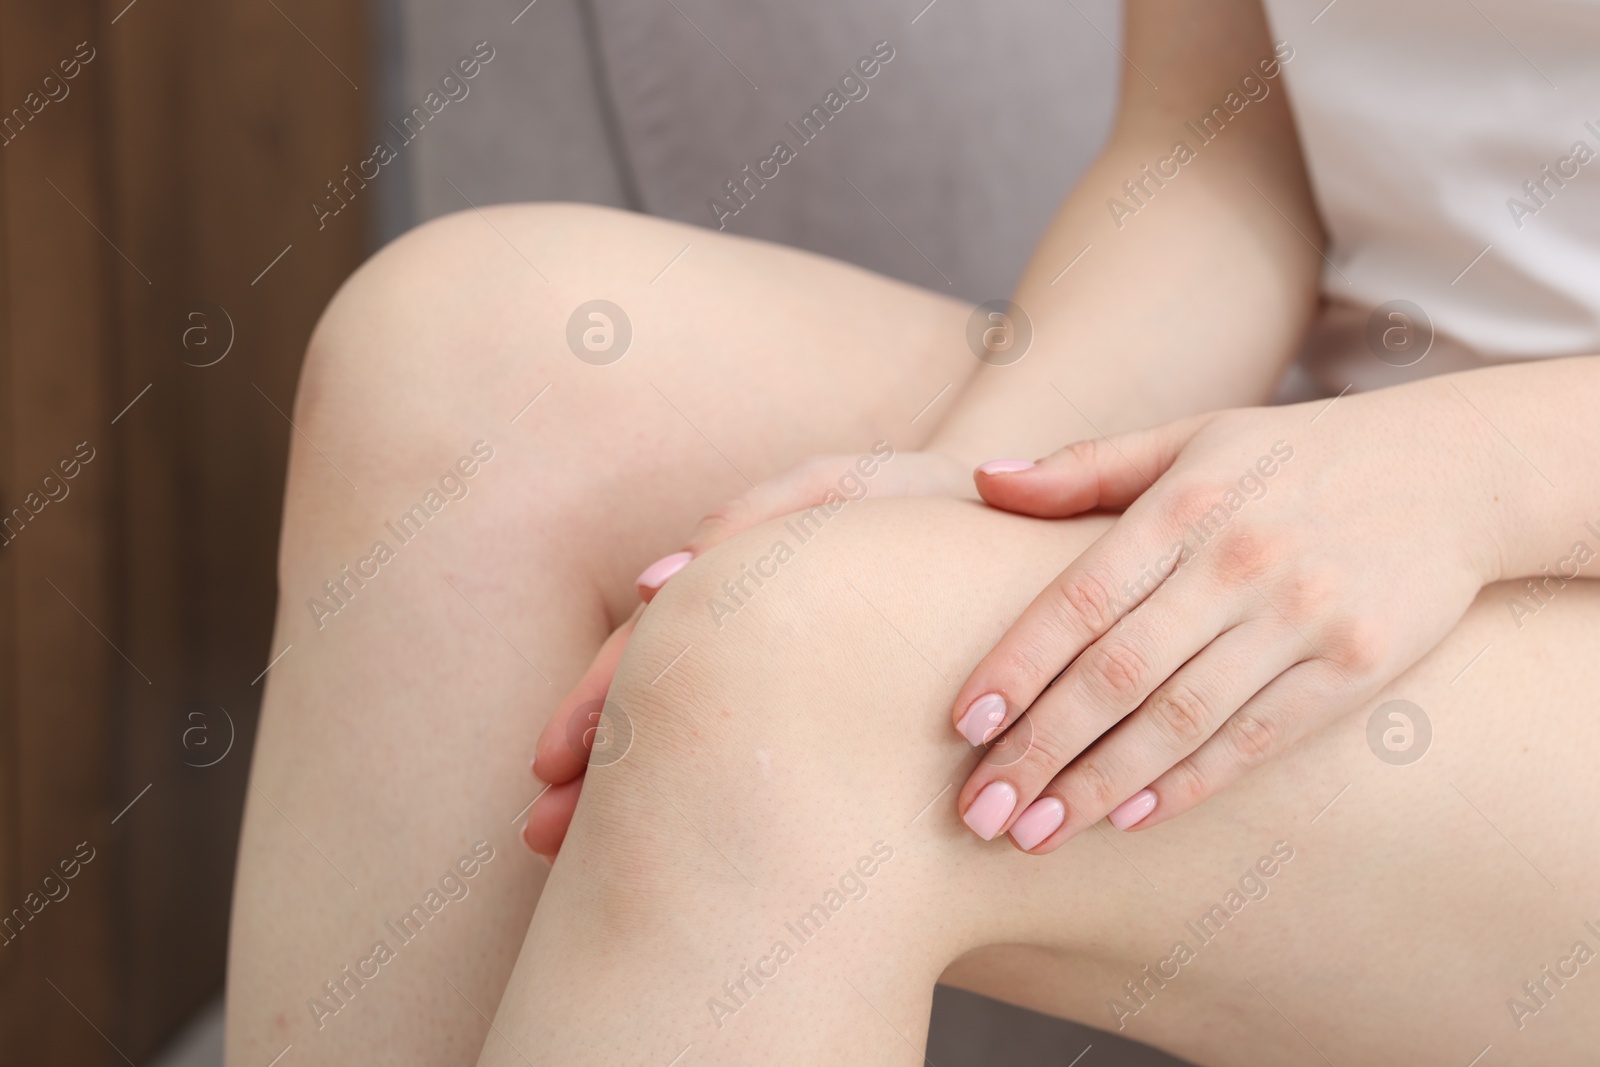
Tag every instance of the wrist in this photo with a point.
(1519, 524)
(1022, 420)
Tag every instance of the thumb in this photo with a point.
(1103, 472)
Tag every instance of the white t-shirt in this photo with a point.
(1454, 150)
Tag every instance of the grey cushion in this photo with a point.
(965, 143)
(533, 125)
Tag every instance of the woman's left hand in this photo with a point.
(568, 736)
(1273, 567)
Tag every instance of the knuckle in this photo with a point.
(1306, 594)
(1184, 504)
(1117, 670)
(1356, 646)
(1185, 784)
(1044, 756)
(1252, 738)
(722, 519)
(1089, 600)
(1182, 714)
(1085, 451)
(1201, 508)
(1027, 659)
(1095, 785)
(717, 526)
(1245, 554)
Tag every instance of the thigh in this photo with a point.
(1337, 903)
(1432, 887)
(471, 490)
(716, 360)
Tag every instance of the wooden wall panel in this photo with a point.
(192, 144)
(61, 692)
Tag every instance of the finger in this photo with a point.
(550, 816)
(790, 491)
(1103, 472)
(1271, 721)
(1101, 688)
(653, 577)
(1111, 578)
(563, 748)
(806, 483)
(1172, 722)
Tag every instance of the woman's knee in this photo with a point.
(435, 358)
(432, 325)
(818, 639)
(785, 699)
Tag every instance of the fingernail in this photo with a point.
(1005, 466)
(983, 719)
(658, 572)
(1043, 818)
(1132, 810)
(991, 809)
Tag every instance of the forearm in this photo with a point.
(1190, 313)
(1194, 301)
(1535, 429)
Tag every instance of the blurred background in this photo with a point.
(184, 186)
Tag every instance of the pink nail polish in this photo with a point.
(1131, 811)
(653, 576)
(983, 719)
(1005, 466)
(1043, 818)
(991, 809)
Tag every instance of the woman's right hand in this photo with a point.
(563, 750)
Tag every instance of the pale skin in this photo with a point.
(772, 752)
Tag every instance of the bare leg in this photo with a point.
(774, 872)
(396, 730)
